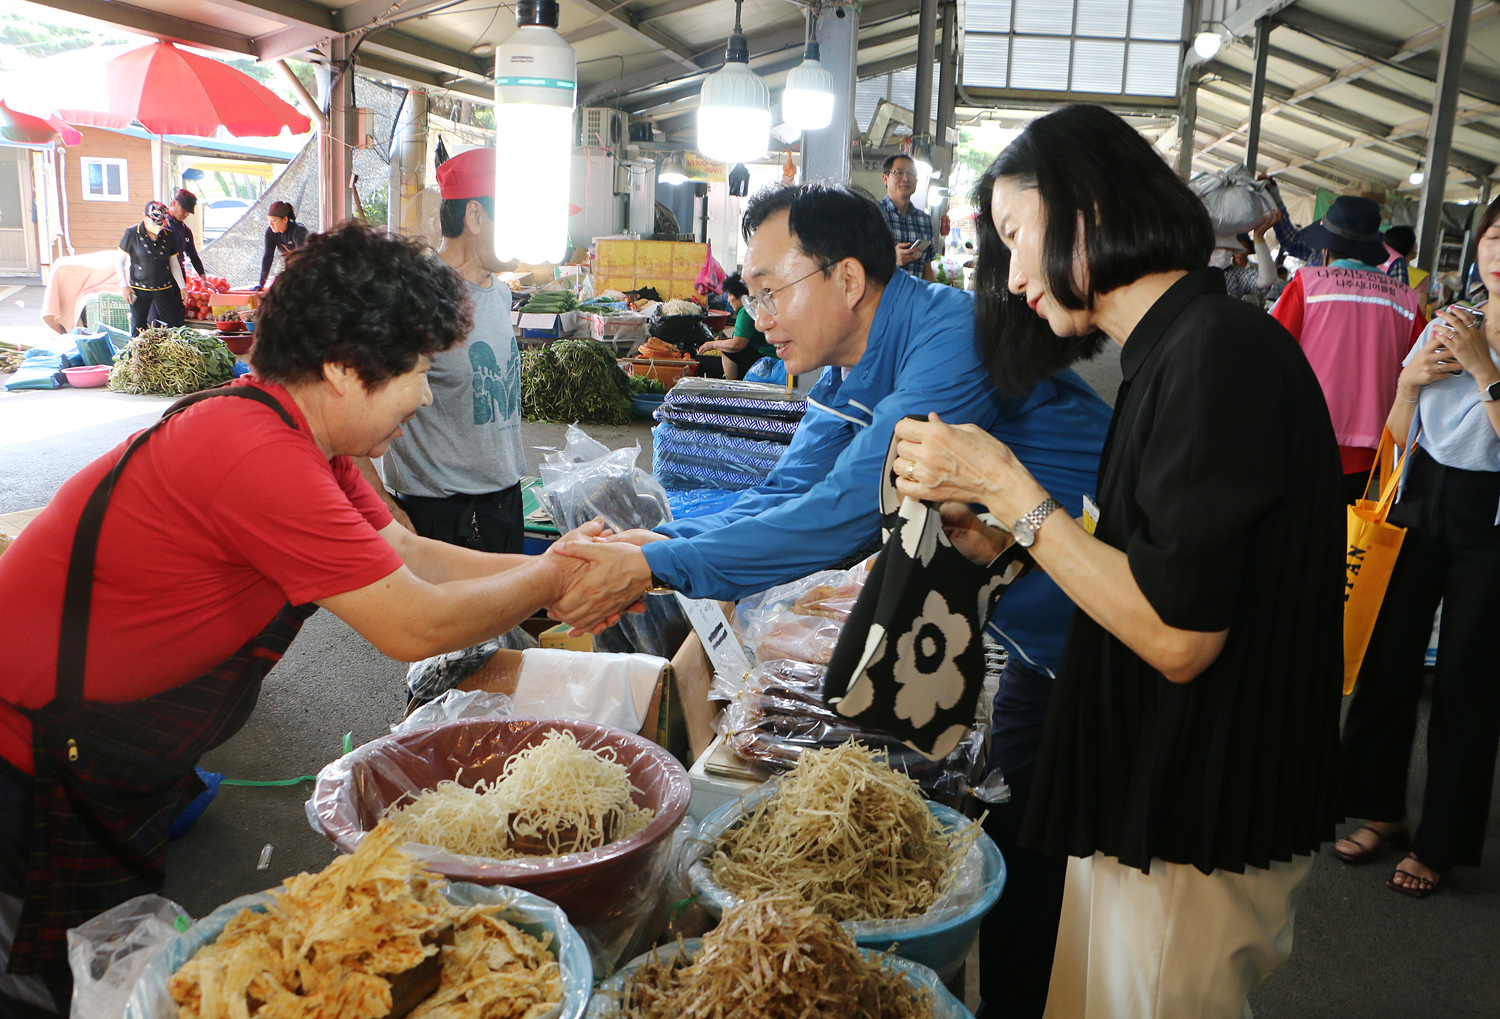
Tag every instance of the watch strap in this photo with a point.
(1490, 393)
(1033, 520)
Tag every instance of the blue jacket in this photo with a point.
(821, 502)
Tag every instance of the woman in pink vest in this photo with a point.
(1355, 325)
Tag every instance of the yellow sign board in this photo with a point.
(700, 167)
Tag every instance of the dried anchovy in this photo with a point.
(771, 960)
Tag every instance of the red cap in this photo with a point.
(468, 175)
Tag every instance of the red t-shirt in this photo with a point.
(222, 517)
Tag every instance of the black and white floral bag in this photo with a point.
(910, 660)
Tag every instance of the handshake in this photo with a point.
(601, 575)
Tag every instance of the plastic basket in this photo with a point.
(611, 991)
(107, 309)
(531, 913)
(939, 939)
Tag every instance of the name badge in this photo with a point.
(1090, 514)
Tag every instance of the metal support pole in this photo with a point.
(825, 152)
(335, 183)
(1187, 123)
(926, 45)
(1187, 107)
(947, 75)
(1440, 139)
(1257, 91)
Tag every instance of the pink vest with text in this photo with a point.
(1357, 327)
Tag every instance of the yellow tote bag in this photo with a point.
(1372, 549)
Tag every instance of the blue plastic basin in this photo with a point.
(646, 404)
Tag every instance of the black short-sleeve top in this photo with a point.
(1220, 480)
(150, 257)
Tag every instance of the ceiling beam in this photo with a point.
(1369, 131)
(588, 30)
(762, 44)
(653, 11)
(1287, 151)
(651, 36)
(430, 55)
(1415, 128)
(397, 70)
(163, 26)
(364, 14)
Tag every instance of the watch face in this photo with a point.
(1024, 532)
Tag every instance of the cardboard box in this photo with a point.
(719, 777)
(544, 327)
(557, 637)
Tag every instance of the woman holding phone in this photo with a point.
(1187, 763)
(1446, 415)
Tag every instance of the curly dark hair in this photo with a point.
(362, 297)
(734, 284)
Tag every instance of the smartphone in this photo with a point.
(922, 245)
(1478, 322)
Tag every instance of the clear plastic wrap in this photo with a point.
(607, 892)
(432, 676)
(605, 1001)
(109, 953)
(150, 998)
(455, 705)
(585, 480)
(777, 712)
(700, 502)
(938, 938)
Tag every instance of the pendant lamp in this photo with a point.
(536, 80)
(674, 170)
(807, 102)
(734, 108)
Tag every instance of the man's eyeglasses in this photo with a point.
(765, 301)
(907, 174)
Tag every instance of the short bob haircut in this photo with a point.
(361, 297)
(1491, 214)
(1092, 170)
(734, 285)
(830, 223)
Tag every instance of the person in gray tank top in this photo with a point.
(454, 474)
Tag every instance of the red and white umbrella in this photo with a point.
(169, 90)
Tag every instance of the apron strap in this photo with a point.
(72, 645)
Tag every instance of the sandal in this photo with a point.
(1422, 886)
(1366, 853)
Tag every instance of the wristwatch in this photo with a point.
(1490, 393)
(1024, 530)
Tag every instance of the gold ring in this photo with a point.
(911, 470)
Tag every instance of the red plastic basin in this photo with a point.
(593, 887)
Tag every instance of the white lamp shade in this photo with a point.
(807, 102)
(734, 115)
(1417, 177)
(1206, 44)
(673, 171)
(534, 226)
(535, 87)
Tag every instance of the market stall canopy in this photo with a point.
(24, 129)
(168, 90)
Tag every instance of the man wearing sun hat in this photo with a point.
(456, 471)
(150, 271)
(1355, 324)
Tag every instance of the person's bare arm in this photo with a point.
(408, 618)
(367, 468)
(177, 276)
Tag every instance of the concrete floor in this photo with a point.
(1360, 949)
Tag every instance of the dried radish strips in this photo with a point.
(772, 960)
(331, 940)
(846, 836)
(552, 798)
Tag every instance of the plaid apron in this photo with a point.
(110, 778)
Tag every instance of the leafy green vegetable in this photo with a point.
(169, 362)
(642, 385)
(574, 380)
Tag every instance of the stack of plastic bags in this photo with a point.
(723, 435)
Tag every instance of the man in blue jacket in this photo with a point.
(825, 292)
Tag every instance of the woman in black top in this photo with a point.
(151, 271)
(1187, 763)
(283, 234)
